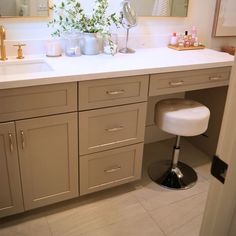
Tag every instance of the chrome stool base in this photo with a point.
(180, 177)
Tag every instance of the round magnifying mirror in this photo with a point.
(129, 20)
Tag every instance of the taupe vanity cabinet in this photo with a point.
(39, 155)
(60, 141)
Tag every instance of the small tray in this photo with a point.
(185, 48)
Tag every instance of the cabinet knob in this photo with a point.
(11, 142)
(22, 139)
(176, 84)
(116, 92)
(115, 129)
(215, 78)
(20, 51)
(112, 170)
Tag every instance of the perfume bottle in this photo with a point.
(194, 35)
(174, 39)
(181, 40)
(186, 39)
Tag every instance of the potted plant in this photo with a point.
(69, 17)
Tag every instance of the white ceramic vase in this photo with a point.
(89, 44)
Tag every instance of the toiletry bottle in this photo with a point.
(186, 39)
(174, 39)
(196, 43)
(180, 42)
(194, 35)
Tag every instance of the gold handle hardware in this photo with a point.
(115, 129)
(175, 84)
(116, 92)
(20, 51)
(22, 139)
(215, 78)
(11, 142)
(113, 169)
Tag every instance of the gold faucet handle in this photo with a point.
(20, 51)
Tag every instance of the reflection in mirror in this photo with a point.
(174, 8)
(23, 8)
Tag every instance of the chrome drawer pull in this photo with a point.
(175, 84)
(11, 142)
(113, 170)
(116, 92)
(22, 139)
(215, 78)
(115, 129)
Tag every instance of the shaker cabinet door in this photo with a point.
(10, 187)
(48, 159)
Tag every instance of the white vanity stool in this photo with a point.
(180, 117)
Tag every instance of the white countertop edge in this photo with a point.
(54, 77)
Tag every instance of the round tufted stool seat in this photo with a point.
(180, 117)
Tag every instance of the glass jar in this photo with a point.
(110, 45)
(72, 44)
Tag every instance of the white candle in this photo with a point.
(53, 48)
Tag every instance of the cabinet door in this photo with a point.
(48, 153)
(10, 187)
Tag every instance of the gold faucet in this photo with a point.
(3, 47)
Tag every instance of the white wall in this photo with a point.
(150, 32)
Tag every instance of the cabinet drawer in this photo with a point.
(110, 168)
(111, 127)
(188, 80)
(37, 101)
(110, 92)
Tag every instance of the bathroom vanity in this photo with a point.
(79, 127)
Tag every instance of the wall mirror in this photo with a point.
(40, 8)
(24, 8)
(170, 8)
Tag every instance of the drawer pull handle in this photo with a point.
(11, 142)
(175, 84)
(116, 92)
(215, 78)
(22, 139)
(113, 170)
(115, 129)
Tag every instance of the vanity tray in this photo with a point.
(185, 48)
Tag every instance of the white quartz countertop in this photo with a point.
(144, 61)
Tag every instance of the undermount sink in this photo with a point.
(24, 67)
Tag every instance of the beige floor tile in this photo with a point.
(192, 228)
(95, 214)
(204, 171)
(153, 196)
(25, 227)
(141, 225)
(177, 215)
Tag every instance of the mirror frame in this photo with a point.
(219, 30)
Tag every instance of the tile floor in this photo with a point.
(136, 209)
